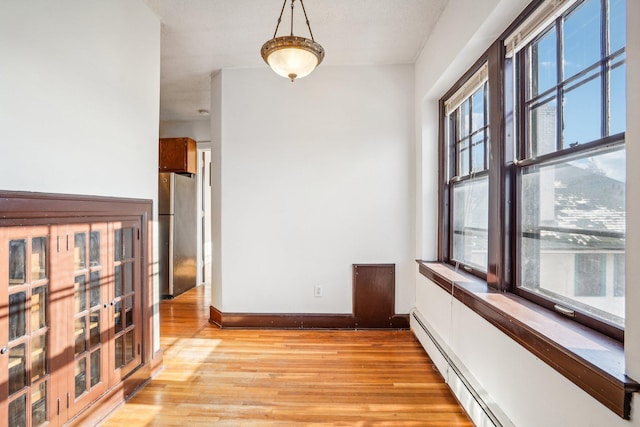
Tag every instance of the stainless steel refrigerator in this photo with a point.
(177, 216)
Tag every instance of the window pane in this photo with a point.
(128, 311)
(17, 262)
(129, 348)
(470, 222)
(117, 317)
(617, 25)
(80, 294)
(17, 368)
(95, 367)
(569, 210)
(117, 280)
(463, 157)
(80, 377)
(127, 241)
(477, 108)
(128, 277)
(38, 258)
(590, 275)
(119, 353)
(463, 119)
(117, 245)
(478, 152)
(543, 119)
(94, 250)
(38, 308)
(544, 63)
(582, 113)
(17, 315)
(94, 289)
(80, 252)
(582, 38)
(80, 332)
(94, 329)
(38, 357)
(39, 405)
(18, 412)
(617, 100)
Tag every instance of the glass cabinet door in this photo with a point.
(25, 371)
(126, 300)
(88, 315)
(70, 317)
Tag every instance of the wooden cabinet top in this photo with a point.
(177, 155)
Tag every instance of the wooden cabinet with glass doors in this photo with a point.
(70, 317)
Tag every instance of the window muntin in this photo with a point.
(468, 182)
(589, 83)
(570, 204)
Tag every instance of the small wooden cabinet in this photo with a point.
(178, 155)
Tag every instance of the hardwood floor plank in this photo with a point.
(286, 377)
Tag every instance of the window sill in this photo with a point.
(592, 361)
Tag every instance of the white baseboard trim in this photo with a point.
(482, 410)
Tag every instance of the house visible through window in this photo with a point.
(590, 275)
(554, 177)
(571, 158)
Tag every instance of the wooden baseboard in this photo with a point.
(296, 321)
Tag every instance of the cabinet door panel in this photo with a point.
(87, 314)
(127, 308)
(25, 287)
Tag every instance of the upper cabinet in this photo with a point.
(178, 155)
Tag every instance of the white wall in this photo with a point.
(198, 130)
(79, 98)
(316, 175)
(517, 381)
(632, 330)
(216, 190)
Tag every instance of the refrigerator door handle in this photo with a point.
(171, 259)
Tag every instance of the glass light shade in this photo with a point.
(292, 57)
(292, 62)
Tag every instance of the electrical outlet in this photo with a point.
(317, 291)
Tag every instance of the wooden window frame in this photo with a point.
(602, 376)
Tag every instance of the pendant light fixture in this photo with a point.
(291, 56)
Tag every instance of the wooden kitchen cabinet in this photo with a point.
(178, 155)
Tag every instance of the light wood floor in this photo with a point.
(286, 377)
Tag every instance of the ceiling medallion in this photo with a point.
(291, 56)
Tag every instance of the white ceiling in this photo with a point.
(200, 37)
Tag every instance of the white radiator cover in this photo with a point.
(473, 398)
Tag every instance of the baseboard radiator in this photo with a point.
(473, 398)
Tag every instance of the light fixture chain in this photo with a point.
(292, 2)
(284, 3)
(307, 19)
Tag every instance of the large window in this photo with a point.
(571, 173)
(468, 139)
(541, 210)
